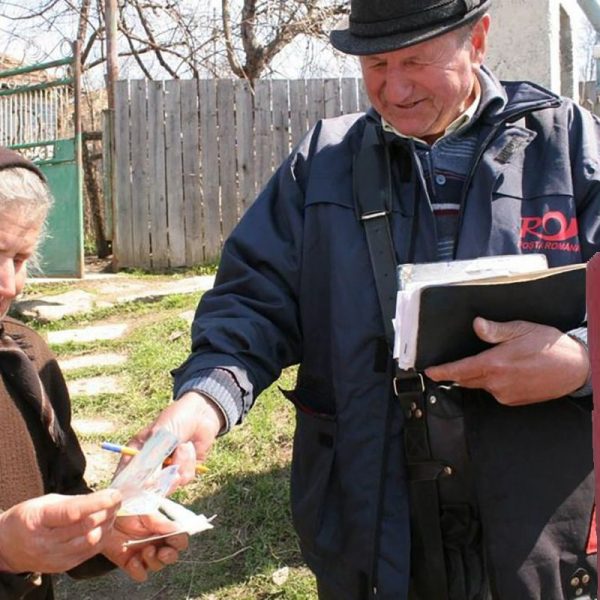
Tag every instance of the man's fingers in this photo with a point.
(495, 332)
(458, 371)
(136, 442)
(185, 458)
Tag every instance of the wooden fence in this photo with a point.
(191, 156)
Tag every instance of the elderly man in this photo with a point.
(50, 522)
(449, 163)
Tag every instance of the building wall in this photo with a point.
(545, 41)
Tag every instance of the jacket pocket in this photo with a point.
(315, 498)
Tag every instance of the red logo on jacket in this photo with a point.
(550, 232)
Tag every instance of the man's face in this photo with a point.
(421, 89)
(18, 237)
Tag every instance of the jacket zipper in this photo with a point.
(482, 149)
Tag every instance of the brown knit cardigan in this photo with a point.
(39, 452)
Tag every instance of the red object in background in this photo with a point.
(593, 311)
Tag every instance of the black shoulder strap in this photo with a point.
(373, 200)
(373, 205)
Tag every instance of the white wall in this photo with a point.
(520, 37)
(545, 41)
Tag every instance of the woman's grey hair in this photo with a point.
(24, 190)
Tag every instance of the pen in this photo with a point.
(127, 451)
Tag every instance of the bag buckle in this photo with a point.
(411, 382)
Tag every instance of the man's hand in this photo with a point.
(530, 363)
(138, 560)
(193, 418)
(54, 533)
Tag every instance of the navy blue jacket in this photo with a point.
(295, 285)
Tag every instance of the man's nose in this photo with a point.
(8, 284)
(398, 88)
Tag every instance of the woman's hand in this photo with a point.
(54, 533)
(140, 559)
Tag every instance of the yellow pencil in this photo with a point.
(127, 451)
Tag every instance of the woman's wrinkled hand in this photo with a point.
(54, 533)
(141, 559)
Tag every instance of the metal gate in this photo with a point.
(39, 117)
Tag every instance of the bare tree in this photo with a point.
(164, 39)
(259, 30)
(170, 39)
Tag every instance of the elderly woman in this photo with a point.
(50, 522)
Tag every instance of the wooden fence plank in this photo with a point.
(315, 101)
(298, 110)
(107, 164)
(264, 131)
(281, 121)
(123, 237)
(332, 98)
(349, 96)
(140, 233)
(194, 253)
(174, 172)
(210, 169)
(363, 99)
(227, 142)
(158, 188)
(244, 125)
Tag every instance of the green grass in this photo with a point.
(247, 486)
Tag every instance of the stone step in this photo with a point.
(107, 359)
(88, 334)
(113, 292)
(93, 426)
(94, 386)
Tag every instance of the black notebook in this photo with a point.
(434, 321)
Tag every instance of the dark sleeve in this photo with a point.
(94, 567)
(248, 325)
(585, 161)
(67, 470)
(15, 587)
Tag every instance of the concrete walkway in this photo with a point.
(104, 293)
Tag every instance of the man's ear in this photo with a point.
(479, 40)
